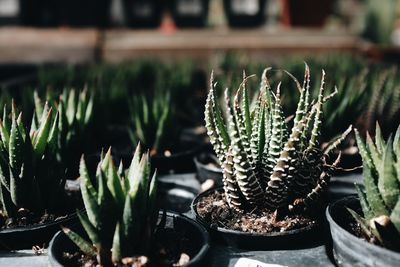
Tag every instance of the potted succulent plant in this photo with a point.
(33, 199)
(154, 124)
(366, 230)
(75, 116)
(274, 181)
(121, 222)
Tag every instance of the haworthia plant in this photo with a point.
(380, 193)
(121, 209)
(264, 164)
(75, 111)
(30, 175)
(153, 121)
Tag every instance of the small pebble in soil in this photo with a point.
(183, 260)
(135, 261)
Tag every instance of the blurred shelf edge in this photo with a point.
(22, 45)
(122, 44)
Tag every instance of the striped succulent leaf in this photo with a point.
(264, 164)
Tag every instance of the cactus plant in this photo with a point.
(380, 193)
(265, 165)
(121, 209)
(30, 175)
(152, 122)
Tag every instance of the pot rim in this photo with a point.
(349, 236)
(40, 226)
(236, 232)
(204, 166)
(194, 260)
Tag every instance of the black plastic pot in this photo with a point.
(43, 13)
(177, 191)
(143, 13)
(84, 13)
(293, 239)
(192, 231)
(9, 12)
(207, 168)
(26, 237)
(189, 13)
(179, 162)
(349, 250)
(245, 13)
(302, 13)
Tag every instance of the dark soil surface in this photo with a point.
(214, 210)
(26, 218)
(171, 248)
(355, 228)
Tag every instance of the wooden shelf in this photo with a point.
(32, 45)
(123, 44)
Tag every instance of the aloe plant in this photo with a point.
(75, 115)
(265, 165)
(380, 193)
(153, 122)
(30, 175)
(121, 209)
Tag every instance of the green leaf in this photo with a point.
(261, 133)
(89, 111)
(363, 224)
(5, 135)
(396, 143)
(54, 134)
(117, 246)
(375, 155)
(160, 129)
(380, 143)
(89, 228)
(82, 244)
(38, 103)
(395, 215)
(364, 152)
(219, 123)
(371, 189)
(387, 183)
(89, 195)
(40, 142)
(71, 107)
(134, 167)
(153, 189)
(6, 120)
(9, 209)
(246, 109)
(363, 201)
(16, 146)
(114, 183)
(130, 217)
(21, 126)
